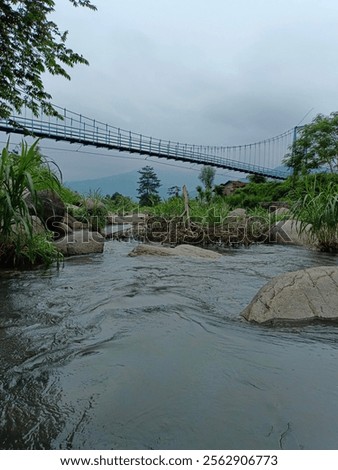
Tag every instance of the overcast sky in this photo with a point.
(215, 72)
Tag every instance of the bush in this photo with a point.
(317, 212)
(200, 212)
(253, 194)
(21, 175)
(28, 252)
(93, 210)
(69, 196)
(119, 204)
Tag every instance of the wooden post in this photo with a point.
(186, 206)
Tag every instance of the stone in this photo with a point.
(80, 242)
(238, 213)
(305, 295)
(77, 225)
(37, 226)
(195, 252)
(50, 207)
(60, 229)
(69, 220)
(180, 250)
(287, 232)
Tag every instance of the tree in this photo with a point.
(148, 185)
(173, 191)
(207, 176)
(256, 178)
(316, 147)
(31, 45)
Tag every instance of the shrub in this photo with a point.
(317, 212)
(93, 210)
(22, 174)
(119, 204)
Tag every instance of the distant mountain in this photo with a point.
(124, 183)
(127, 183)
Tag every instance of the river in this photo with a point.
(114, 352)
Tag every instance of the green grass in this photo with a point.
(317, 211)
(21, 174)
(200, 212)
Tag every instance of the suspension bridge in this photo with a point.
(260, 158)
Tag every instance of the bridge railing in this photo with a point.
(74, 127)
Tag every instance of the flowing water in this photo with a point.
(114, 352)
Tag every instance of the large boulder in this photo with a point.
(37, 226)
(80, 242)
(287, 232)
(305, 295)
(180, 250)
(50, 207)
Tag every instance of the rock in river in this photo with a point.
(180, 250)
(305, 295)
(80, 242)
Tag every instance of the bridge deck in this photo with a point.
(90, 132)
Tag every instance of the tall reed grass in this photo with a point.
(21, 174)
(317, 212)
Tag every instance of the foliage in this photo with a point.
(209, 214)
(316, 146)
(119, 204)
(31, 44)
(173, 207)
(39, 249)
(207, 176)
(201, 213)
(28, 251)
(218, 189)
(254, 194)
(69, 196)
(317, 212)
(93, 210)
(148, 185)
(313, 184)
(20, 175)
(173, 191)
(256, 178)
(15, 179)
(200, 193)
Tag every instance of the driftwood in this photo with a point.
(186, 213)
(175, 231)
(234, 230)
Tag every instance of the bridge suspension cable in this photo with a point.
(261, 158)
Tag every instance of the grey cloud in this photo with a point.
(202, 72)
